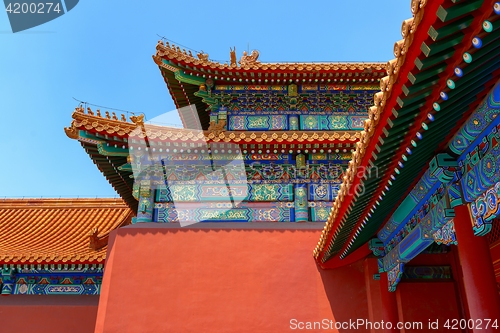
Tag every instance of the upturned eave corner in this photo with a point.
(72, 132)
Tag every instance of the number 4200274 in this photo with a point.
(32, 8)
(476, 324)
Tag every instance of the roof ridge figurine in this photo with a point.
(249, 59)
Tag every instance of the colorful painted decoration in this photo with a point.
(446, 235)
(314, 98)
(300, 161)
(377, 247)
(295, 122)
(268, 123)
(323, 192)
(472, 178)
(222, 212)
(426, 194)
(196, 182)
(331, 123)
(468, 59)
(485, 115)
(487, 26)
(477, 42)
(301, 207)
(413, 242)
(145, 208)
(394, 276)
(484, 209)
(480, 168)
(85, 281)
(320, 210)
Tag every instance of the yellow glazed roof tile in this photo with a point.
(173, 52)
(58, 230)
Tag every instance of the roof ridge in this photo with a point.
(202, 59)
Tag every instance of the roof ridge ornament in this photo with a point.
(138, 120)
(232, 57)
(217, 127)
(72, 132)
(202, 56)
(164, 50)
(248, 60)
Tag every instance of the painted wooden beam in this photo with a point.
(453, 12)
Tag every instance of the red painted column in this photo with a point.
(389, 304)
(478, 275)
(375, 307)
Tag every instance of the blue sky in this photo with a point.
(100, 52)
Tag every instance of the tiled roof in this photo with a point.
(173, 52)
(87, 120)
(58, 230)
(187, 76)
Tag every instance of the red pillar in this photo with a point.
(375, 307)
(389, 304)
(478, 275)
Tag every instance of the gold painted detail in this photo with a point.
(217, 127)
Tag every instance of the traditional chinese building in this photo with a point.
(263, 144)
(52, 254)
(400, 160)
(429, 214)
(292, 127)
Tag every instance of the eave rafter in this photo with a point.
(423, 70)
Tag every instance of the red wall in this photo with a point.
(427, 302)
(160, 278)
(48, 314)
